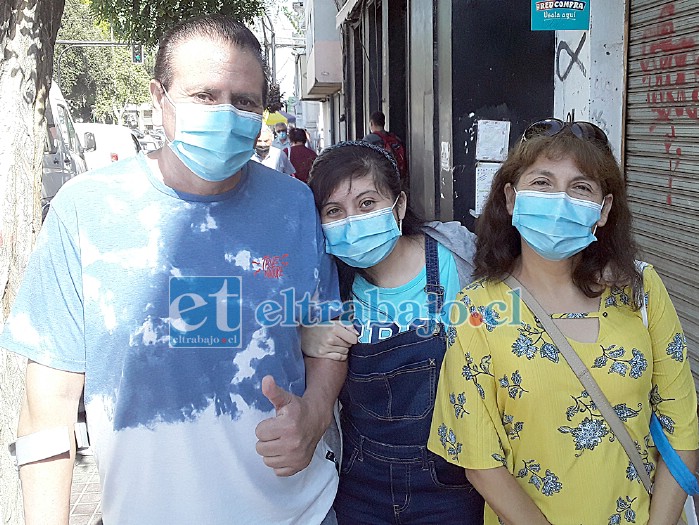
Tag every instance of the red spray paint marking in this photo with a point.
(667, 94)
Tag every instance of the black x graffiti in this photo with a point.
(574, 58)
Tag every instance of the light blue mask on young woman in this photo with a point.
(362, 241)
(214, 141)
(555, 225)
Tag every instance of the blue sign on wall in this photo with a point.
(559, 15)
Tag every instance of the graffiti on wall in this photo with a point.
(597, 116)
(665, 59)
(572, 58)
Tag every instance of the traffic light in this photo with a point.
(137, 53)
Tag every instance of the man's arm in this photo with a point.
(286, 165)
(288, 440)
(51, 400)
(324, 381)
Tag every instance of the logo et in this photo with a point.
(205, 312)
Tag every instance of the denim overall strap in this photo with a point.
(389, 392)
(434, 290)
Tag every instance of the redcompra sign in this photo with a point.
(560, 15)
(561, 4)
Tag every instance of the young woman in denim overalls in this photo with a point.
(400, 275)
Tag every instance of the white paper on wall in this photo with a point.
(445, 156)
(492, 140)
(485, 171)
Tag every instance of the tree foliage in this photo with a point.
(97, 81)
(128, 84)
(146, 20)
(294, 18)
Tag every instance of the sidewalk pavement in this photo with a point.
(85, 494)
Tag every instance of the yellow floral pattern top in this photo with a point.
(507, 397)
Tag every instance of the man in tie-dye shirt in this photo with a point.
(172, 287)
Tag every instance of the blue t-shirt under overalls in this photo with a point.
(388, 475)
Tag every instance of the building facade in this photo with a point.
(460, 81)
(319, 73)
(661, 137)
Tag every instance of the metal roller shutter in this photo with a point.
(662, 149)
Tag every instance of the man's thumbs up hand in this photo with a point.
(286, 442)
(276, 395)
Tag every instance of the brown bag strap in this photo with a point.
(586, 379)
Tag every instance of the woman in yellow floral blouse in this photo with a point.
(509, 409)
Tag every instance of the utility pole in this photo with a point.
(270, 46)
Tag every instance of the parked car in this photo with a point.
(158, 133)
(64, 156)
(148, 143)
(112, 143)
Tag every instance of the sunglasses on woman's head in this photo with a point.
(552, 126)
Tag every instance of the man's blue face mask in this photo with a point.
(213, 141)
(362, 241)
(555, 225)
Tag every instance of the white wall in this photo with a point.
(589, 74)
(310, 118)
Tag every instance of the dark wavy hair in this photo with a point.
(608, 261)
(217, 27)
(347, 161)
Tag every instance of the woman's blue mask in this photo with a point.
(362, 241)
(214, 141)
(555, 225)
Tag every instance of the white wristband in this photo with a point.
(40, 445)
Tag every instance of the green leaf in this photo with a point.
(146, 20)
(97, 79)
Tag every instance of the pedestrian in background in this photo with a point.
(400, 275)
(271, 156)
(300, 155)
(380, 136)
(281, 138)
(154, 270)
(509, 408)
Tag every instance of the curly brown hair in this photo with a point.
(608, 261)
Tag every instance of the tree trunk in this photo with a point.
(28, 30)
(117, 114)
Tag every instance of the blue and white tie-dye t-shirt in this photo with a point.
(175, 306)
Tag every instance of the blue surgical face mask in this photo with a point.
(362, 241)
(214, 141)
(555, 225)
(281, 135)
